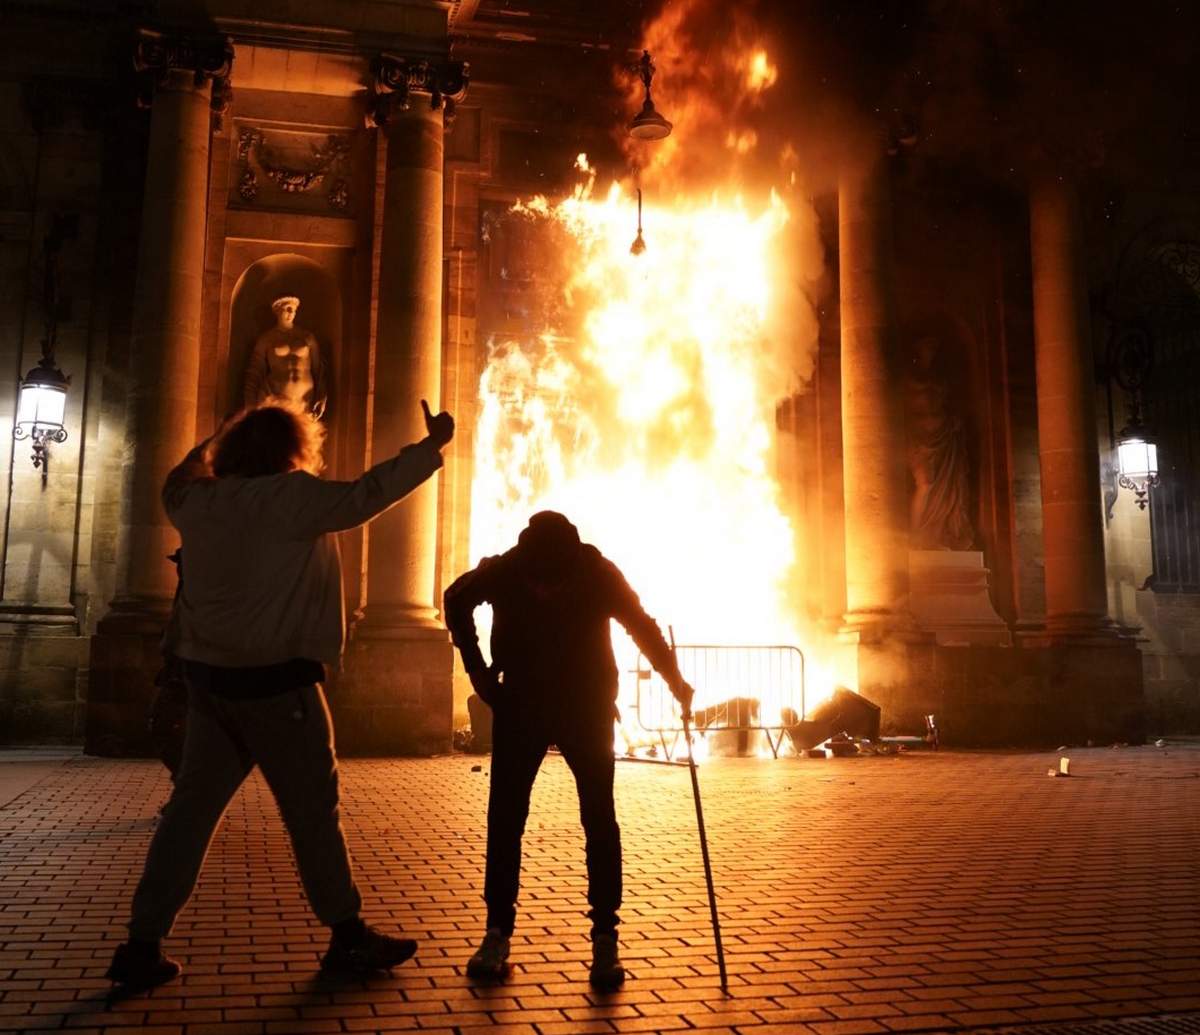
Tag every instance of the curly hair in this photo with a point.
(273, 438)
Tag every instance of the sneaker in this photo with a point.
(490, 958)
(607, 972)
(140, 969)
(376, 951)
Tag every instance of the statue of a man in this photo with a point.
(286, 363)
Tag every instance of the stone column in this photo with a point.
(177, 76)
(876, 543)
(165, 346)
(408, 359)
(1072, 520)
(397, 693)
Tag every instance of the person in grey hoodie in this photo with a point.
(258, 619)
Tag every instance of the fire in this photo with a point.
(643, 406)
(648, 418)
(760, 73)
(647, 415)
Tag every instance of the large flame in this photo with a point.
(650, 420)
(647, 417)
(642, 402)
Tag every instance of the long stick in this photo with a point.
(712, 895)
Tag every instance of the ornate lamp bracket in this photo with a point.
(1130, 360)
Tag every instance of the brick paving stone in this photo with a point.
(917, 893)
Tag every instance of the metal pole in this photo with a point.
(712, 895)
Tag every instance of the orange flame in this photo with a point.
(649, 422)
(644, 409)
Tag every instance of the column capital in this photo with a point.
(156, 55)
(394, 79)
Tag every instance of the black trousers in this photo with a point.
(518, 747)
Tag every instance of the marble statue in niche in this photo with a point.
(286, 363)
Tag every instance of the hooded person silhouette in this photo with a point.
(552, 681)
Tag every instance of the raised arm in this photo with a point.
(191, 468)
(324, 506)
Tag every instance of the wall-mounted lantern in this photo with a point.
(40, 407)
(42, 397)
(1137, 459)
(1130, 359)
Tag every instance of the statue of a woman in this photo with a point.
(937, 456)
(286, 363)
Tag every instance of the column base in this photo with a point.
(1076, 631)
(1003, 697)
(140, 616)
(875, 627)
(125, 655)
(122, 665)
(397, 622)
(395, 695)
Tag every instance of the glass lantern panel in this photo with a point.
(1137, 459)
(41, 405)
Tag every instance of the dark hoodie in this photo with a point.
(552, 598)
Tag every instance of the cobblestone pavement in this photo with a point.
(928, 892)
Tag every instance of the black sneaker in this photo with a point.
(607, 973)
(140, 969)
(376, 951)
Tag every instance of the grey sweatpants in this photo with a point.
(290, 738)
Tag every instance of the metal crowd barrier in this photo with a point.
(740, 691)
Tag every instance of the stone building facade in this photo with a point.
(167, 171)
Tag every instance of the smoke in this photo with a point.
(705, 85)
(763, 103)
(993, 86)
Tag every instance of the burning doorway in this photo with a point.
(637, 394)
(643, 338)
